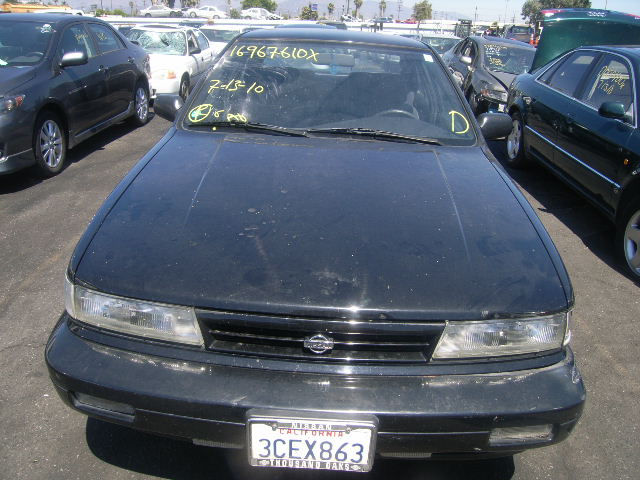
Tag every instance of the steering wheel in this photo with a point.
(396, 111)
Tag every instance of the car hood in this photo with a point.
(502, 78)
(278, 224)
(566, 29)
(159, 61)
(12, 77)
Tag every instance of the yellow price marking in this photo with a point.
(453, 114)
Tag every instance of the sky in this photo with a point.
(492, 9)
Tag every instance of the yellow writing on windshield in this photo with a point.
(455, 114)
(234, 85)
(204, 111)
(201, 112)
(263, 51)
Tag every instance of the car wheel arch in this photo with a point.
(630, 191)
(59, 111)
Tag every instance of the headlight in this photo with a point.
(163, 74)
(146, 319)
(496, 95)
(494, 338)
(10, 103)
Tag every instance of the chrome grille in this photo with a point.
(360, 341)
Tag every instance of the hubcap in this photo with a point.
(142, 104)
(513, 140)
(51, 143)
(632, 243)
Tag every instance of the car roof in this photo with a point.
(156, 27)
(57, 20)
(332, 34)
(482, 40)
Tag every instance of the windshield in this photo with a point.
(220, 35)
(439, 44)
(327, 85)
(508, 59)
(165, 43)
(24, 43)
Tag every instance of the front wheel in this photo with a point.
(192, 14)
(183, 90)
(147, 15)
(141, 105)
(516, 155)
(628, 238)
(49, 144)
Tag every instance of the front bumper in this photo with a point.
(418, 416)
(157, 86)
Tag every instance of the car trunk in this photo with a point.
(566, 29)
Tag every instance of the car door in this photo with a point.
(548, 103)
(195, 53)
(593, 144)
(81, 88)
(205, 50)
(118, 66)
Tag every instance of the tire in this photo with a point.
(516, 155)
(247, 18)
(216, 17)
(183, 90)
(49, 144)
(192, 14)
(628, 238)
(147, 15)
(141, 105)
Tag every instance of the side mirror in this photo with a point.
(495, 125)
(167, 106)
(194, 51)
(612, 110)
(72, 59)
(135, 42)
(466, 60)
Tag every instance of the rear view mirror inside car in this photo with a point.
(336, 59)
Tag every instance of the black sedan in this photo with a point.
(578, 116)
(64, 78)
(321, 261)
(484, 67)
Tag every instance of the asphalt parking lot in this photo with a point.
(40, 438)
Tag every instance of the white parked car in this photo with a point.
(177, 56)
(256, 13)
(220, 35)
(160, 11)
(206, 11)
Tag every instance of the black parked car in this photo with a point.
(484, 67)
(321, 261)
(578, 116)
(64, 78)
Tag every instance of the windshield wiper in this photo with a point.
(254, 127)
(377, 134)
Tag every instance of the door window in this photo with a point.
(202, 40)
(610, 82)
(568, 76)
(107, 40)
(76, 39)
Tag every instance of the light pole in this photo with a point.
(505, 10)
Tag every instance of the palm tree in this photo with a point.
(330, 8)
(358, 4)
(383, 7)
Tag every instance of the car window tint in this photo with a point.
(202, 40)
(106, 38)
(610, 82)
(568, 76)
(76, 39)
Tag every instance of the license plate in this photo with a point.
(315, 444)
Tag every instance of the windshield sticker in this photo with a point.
(46, 28)
(234, 85)
(455, 114)
(427, 57)
(262, 51)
